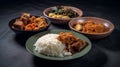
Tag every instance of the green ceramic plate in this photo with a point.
(33, 39)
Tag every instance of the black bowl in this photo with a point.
(18, 31)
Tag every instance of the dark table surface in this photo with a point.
(104, 53)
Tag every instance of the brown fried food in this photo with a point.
(18, 24)
(25, 15)
(25, 18)
(29, 23)
(73, 43)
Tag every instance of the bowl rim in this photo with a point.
(106, 32)
(80, 14)
(11, 22)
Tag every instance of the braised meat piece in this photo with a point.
(73, 43)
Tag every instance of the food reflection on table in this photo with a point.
(59, 45)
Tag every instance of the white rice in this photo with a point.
(49, 45)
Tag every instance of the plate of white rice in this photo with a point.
(46, 46)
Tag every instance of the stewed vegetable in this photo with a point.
(62, 12)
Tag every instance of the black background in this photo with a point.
(104, 53)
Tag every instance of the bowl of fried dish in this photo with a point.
(62, 14)
(93, 27)
(29, 24)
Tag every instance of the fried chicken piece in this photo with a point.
(31, 19)
(18, 24)
(25, 18)
(26, 15)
